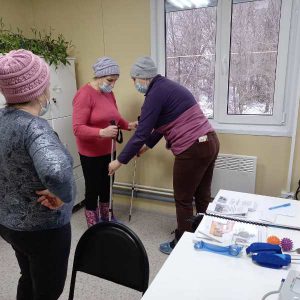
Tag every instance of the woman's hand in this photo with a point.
(113, 167)
(133, 125)
(49, 200)
(109, 132)
(143, 150)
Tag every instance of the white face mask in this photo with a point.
(105, 88)
(142, 88)
(45, 108)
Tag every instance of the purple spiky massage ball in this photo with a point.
(286, 244)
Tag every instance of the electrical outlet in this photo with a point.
(287, 195)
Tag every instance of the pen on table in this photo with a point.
(279, 206)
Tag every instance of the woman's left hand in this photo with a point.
(133, 125)
(113, 167)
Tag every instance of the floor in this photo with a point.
(152, 223)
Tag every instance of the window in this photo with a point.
(253, 57)
(191, 51)
(236, 57)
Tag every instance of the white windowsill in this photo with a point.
(253, 132)
(280, 131)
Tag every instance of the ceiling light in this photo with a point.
(189, 3)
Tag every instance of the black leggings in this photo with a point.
(43, 259)
(97, 181)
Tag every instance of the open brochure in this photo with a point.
(230, 232)
(231, 206)
(256, 209)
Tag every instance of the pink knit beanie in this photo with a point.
(23, 76)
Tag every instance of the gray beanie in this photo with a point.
(106, 66)
(143, 68)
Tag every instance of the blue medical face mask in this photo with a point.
(142, 88)
(105, 88)
(45, 108)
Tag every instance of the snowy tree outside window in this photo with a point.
(253, 56)
(191, 50)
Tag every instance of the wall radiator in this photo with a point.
(232, 172)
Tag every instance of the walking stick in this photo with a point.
(132, 188)
(133, 183)
(113, 122)
(119, 139)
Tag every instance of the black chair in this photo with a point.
(113, 252)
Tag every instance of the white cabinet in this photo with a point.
(80, 185)
(62, 90)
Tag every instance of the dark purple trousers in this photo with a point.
(192, 177)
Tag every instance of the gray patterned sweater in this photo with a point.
(32, 158)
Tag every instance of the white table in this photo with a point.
(263, 203)
(190, 274)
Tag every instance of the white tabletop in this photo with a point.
(190, 274)
(263, 203)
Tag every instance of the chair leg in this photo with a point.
(72, 285)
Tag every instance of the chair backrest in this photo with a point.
(112, 251)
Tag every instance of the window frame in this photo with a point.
(287, 80)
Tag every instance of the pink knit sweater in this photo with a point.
(92, 111)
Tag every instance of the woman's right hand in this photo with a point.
(49, 200)
(109, 132)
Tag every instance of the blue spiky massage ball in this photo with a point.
(286, 244)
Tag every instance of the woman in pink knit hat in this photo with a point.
(36, 179)
(94, 107)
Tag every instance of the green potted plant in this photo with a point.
(53, 49)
